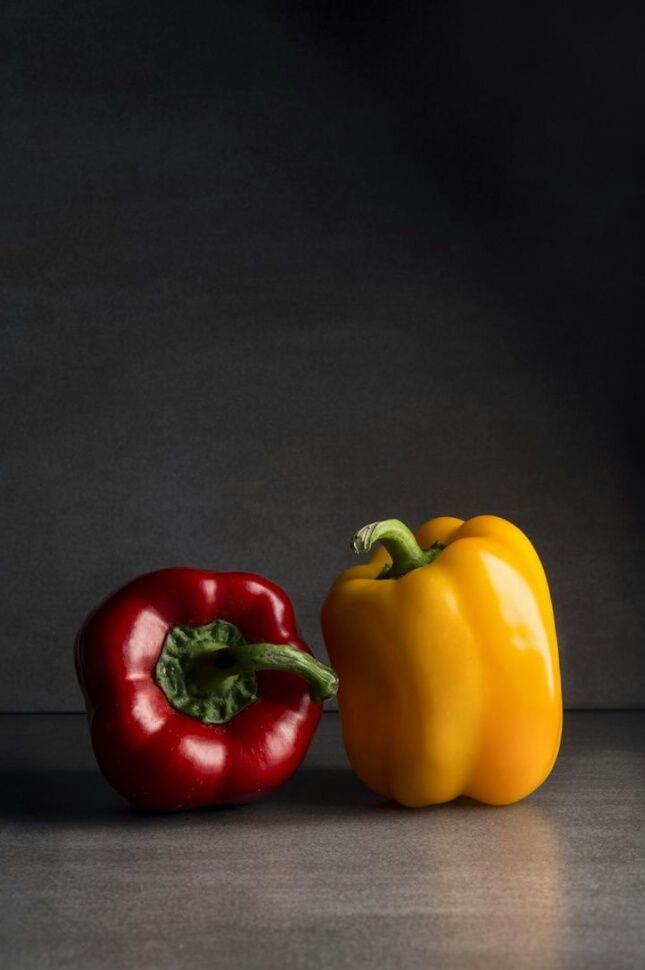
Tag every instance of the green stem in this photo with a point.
(404, 550)
(322, 680)
(209, 671)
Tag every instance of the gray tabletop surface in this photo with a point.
(323, 873)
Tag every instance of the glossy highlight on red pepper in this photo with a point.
(154, 753)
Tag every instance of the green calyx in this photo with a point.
(209, 671)
(404, 550)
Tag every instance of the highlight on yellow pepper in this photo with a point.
(446, 651)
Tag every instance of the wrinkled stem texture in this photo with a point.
(404, 550)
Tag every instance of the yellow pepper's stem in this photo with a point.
(405, 552)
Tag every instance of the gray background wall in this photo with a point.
(272, 271)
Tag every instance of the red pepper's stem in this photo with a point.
(405, 552)
(250, 657)
(209, 671)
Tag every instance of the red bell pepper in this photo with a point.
(198, 688)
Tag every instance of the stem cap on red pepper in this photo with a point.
(209, 671)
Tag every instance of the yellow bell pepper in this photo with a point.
(447, 657)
